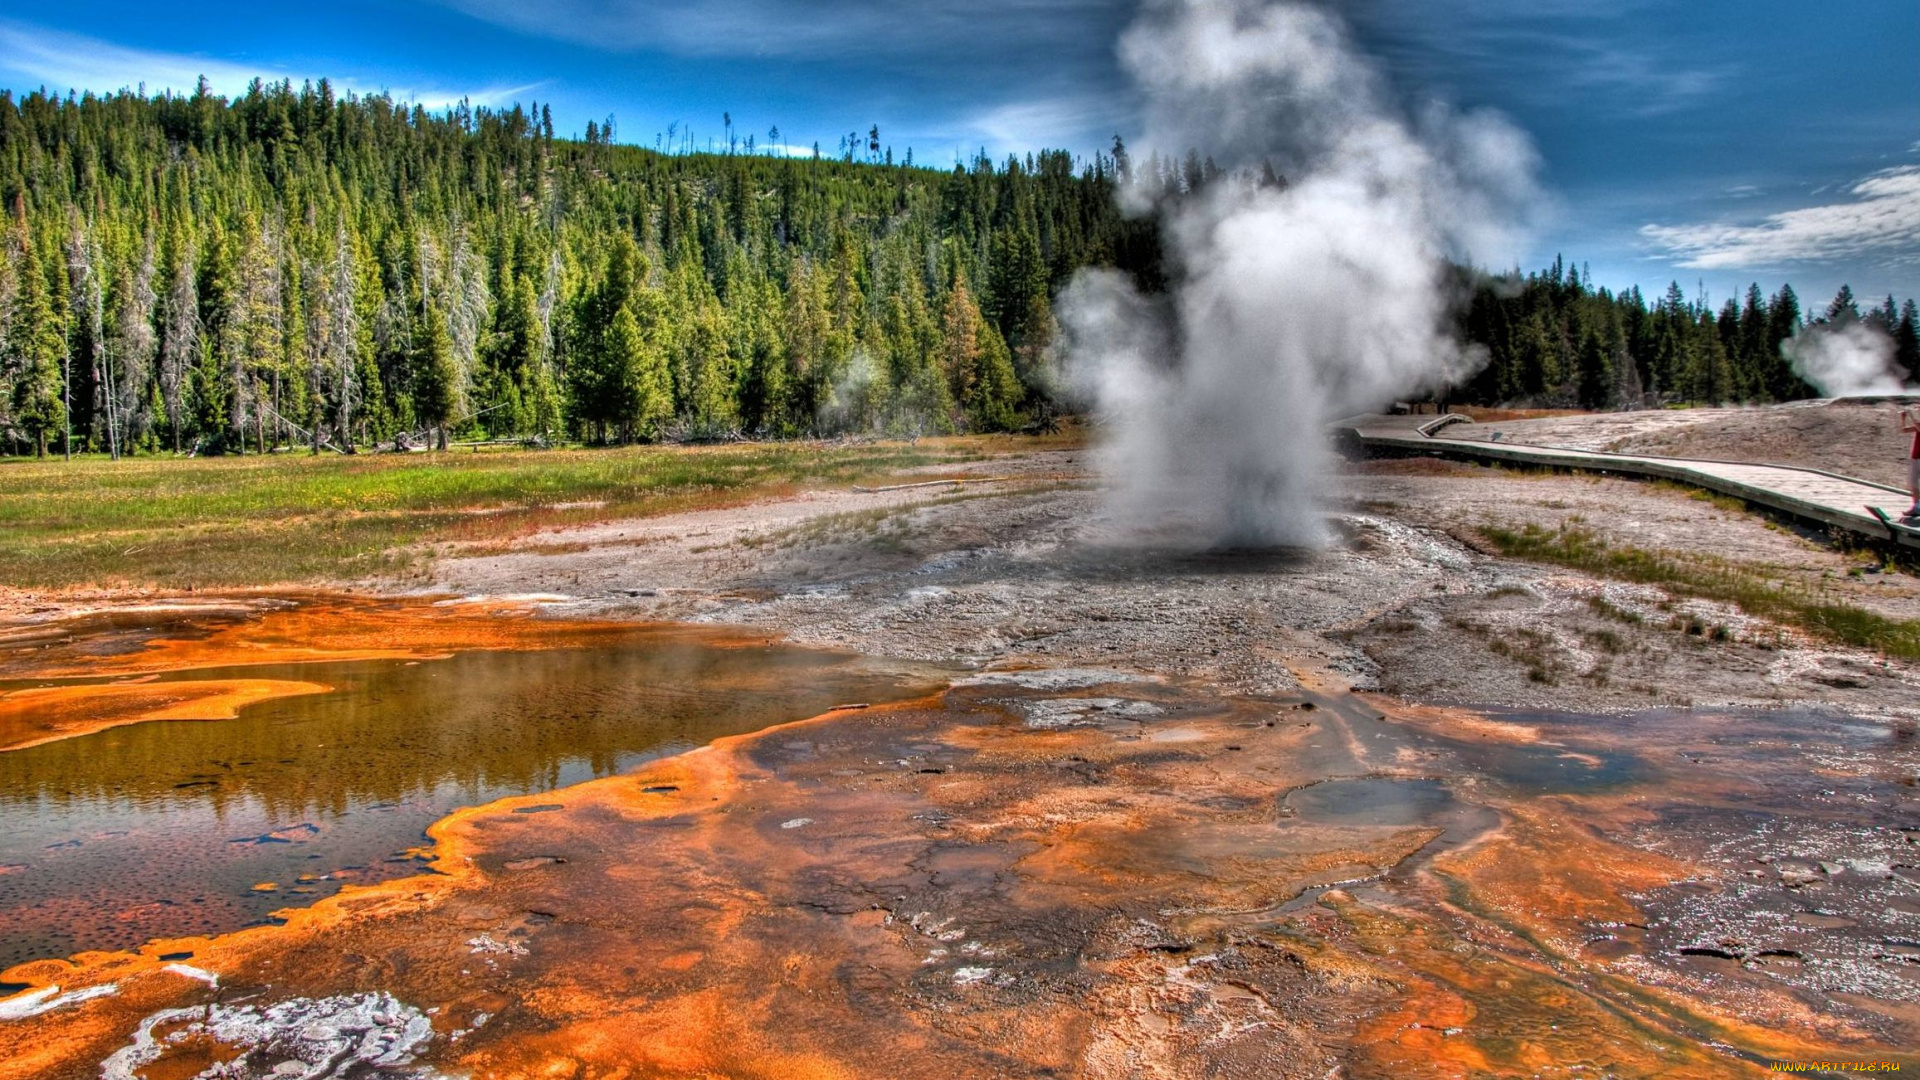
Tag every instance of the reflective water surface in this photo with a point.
(171, 828)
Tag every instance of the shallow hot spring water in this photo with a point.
(186, 827)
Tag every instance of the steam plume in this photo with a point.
(1845, 359)
(1294, 304)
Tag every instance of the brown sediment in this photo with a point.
(316, 629)
(47, 713)
(1099, 881)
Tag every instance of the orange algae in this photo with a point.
(318, 629)
(43, 714)
(942, 889)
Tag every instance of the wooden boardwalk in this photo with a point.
(1823, 498)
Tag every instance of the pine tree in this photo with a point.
(1596, 378)
(36, 350)
(1783, 322)
(1017, 277)
(1844, 309)
(436, 376)
(993, 393)
(960, 347)
(86, 331)
(710, 394)
(1906, 341)
(1754, 351)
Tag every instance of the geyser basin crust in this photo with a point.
(947, 887)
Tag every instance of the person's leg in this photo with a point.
(1913, 486)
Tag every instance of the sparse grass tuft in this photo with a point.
(1606, 641)
(1712, 579)
(1728, 503)
(1607, 609)
(1533, 650)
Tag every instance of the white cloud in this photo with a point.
(62, 61)
(1022, 126)
(1880, 222)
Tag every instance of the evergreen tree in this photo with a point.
(36, 351)
(1844, 309)
(436, 376)
(960, 351)
(1596, 377)
(1906, 341)
(1783, 322)
(993, 393)
(1754, 351)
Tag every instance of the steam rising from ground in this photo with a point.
(1845, 360)
(1298, 304)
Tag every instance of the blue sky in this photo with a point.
(1714, 143)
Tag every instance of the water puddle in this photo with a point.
(184, 827)
(1369, 801)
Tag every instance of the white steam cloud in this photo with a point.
(1846, 359)
(1292, 305)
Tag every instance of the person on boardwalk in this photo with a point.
(1910, 424)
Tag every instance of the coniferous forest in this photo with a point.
(288, 268)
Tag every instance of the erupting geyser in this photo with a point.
(1293, 302)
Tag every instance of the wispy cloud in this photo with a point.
(1022, 126)
(61, 61)
(69, 61)
(840, 31)
(1880, 223)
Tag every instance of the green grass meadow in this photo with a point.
(294, 518)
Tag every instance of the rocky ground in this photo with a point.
(1409, 600)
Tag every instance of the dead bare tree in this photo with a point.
(180, 343)
(251, 341)
(131, 349)
(86, 304)
(335, 332)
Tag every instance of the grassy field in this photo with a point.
(313, 520)
(1709, 578)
